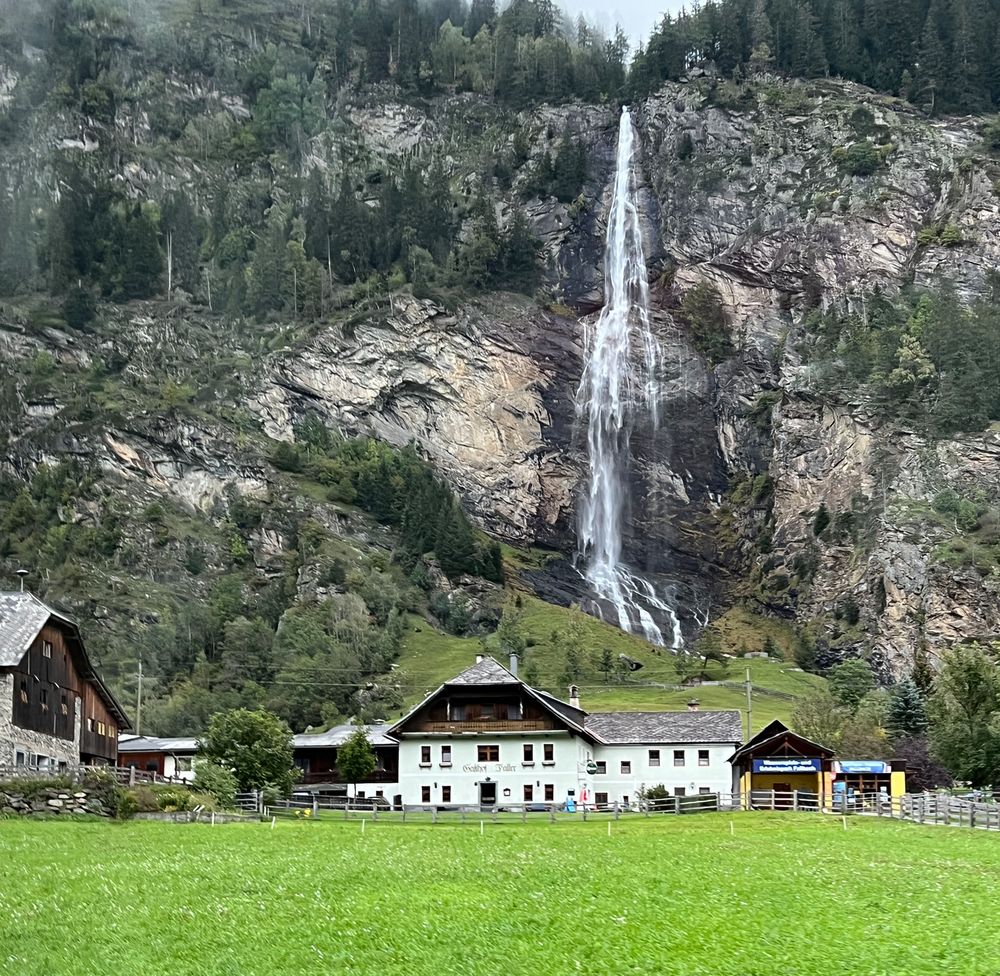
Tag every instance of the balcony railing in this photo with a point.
(488, 725)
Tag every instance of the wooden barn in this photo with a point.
(54, 708)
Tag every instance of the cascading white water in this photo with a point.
(609, 394)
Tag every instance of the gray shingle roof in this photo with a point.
(488, 671)
(22, 616)
(150, 743)
(636, 727)
(339, 734)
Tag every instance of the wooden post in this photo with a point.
(434, 814)
(315, 806)
(402, 807)
(524, 813)
(795, 800)
(677, 805)
(552, 812)
(617, 811)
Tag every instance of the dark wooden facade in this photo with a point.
(319, 765)
(51, 688)
(500, 709)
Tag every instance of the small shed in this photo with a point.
(786, 766)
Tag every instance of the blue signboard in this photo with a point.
(863, 766)
(798, 765)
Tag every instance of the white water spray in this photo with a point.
(610, 393)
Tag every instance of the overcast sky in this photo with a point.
(636, 16)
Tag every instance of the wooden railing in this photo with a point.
(489, 725)
(126, 775)
(334, 776)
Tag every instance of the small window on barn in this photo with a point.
(90, 724)
(64, 705)
(20, 759)
(44, 698)
(46, 649)
(24, 691)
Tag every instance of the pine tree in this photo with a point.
(906, 715)
(454, 546)
(606, 664)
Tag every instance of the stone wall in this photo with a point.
(14, 739)
(29, 801)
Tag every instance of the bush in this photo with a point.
(216, 780)
(703, 313)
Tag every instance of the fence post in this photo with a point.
(795, 800)
(315, 806)
(524, 813)
(583, 807)
(552, 812)
(434, 815)
(131, 776)
(677, 805)
(617, 811)
(402, 807)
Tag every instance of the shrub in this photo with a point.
(703, 313)
(216, 780)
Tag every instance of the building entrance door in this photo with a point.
(487, 794)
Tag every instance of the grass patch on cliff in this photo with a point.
(671, 895)
(430, 657)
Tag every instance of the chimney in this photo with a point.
(513, 663)
(479, 659)
(693, 705)
(574, 696)
(22, 573)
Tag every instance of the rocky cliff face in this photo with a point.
(741, 188)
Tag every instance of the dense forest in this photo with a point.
(943, 55)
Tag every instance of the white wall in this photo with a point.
(510, 773)
(716, 777)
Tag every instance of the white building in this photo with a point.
(486, 738)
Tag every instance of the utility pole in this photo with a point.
(749, 688)
(138, 702)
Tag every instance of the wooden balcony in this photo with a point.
(333, 776)
(486, 726)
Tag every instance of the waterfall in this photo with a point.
(619, 380)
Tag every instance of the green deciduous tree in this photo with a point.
(256, 746)
(964, 710)
(850, 681)
(356, 759)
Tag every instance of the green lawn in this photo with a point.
(780, 894)
(429, 657)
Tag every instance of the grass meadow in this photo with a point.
(751, 894)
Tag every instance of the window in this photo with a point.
(529, 792)
(20, 759)
(702, 757)
(602, 767)
(425, 794)
(654, 757)
(45, 700)
(626, 767)
(489, 753)
(704, 789)
(101, 729)
(548, 752)
(529, 753)
(24, 691)
(550, 792)
(601, 799)
(625, 800)
(379, 792)
(680, 791)
(425, 755)
(90, 724)
(445, 755)
(678, 757)
(185, 764)
(64, 705)
(446, 794)
(46, 649)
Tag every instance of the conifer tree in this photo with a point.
(906, 715)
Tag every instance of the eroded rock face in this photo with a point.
(484, 393)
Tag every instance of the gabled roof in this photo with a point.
(622, 728)
(489, 672)
(22, 617)
(768, 738)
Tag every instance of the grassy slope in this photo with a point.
(429, 657)
(791, 894)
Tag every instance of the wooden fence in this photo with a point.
(126, 775)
